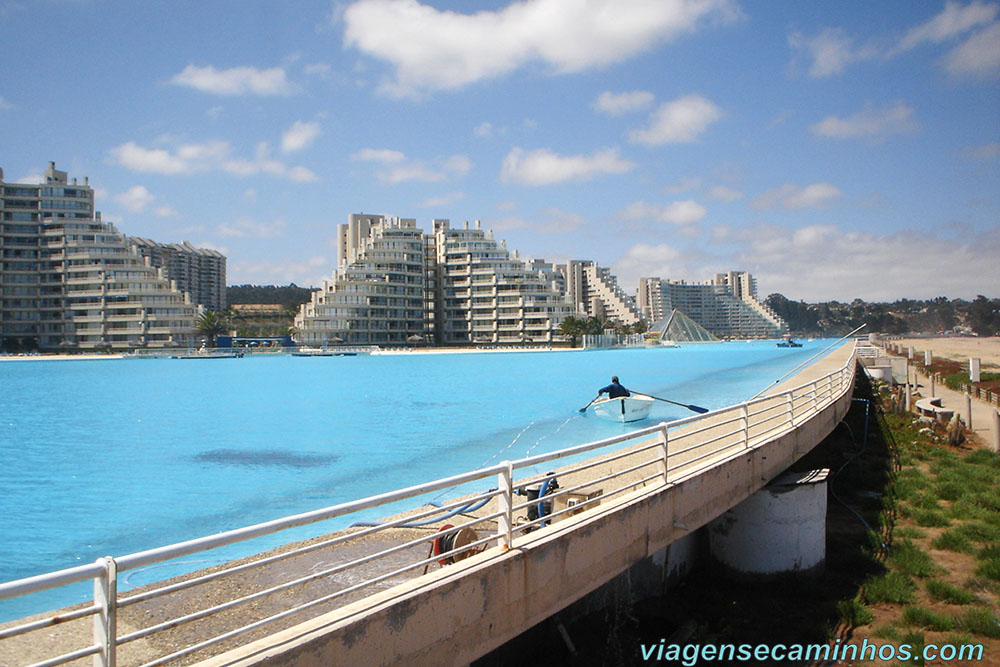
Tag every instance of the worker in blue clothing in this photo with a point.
(614, 390)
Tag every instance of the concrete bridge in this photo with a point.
(457, 614)
(375, 594)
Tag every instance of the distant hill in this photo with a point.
(940, 315)
(288, 296)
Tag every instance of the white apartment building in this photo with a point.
(69, 281)
(594, 291)
(726, 306)
(486, 294)
(396, 285)
(201, 272)
(376, 296)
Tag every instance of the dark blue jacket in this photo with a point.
(614, 390)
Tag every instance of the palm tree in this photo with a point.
(573, 327)
(211, 325)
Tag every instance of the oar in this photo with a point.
(693, 408)
(584, 408)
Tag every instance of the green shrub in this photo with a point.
(980, 531)
(980, 621)
(907, 557)
(909, 532)
(854, 613)
(894, 587)
(951, 540)
(927, 619)
(945, 592)
(929, 518)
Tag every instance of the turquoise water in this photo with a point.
(110, 457)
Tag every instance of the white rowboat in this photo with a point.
(624, 409)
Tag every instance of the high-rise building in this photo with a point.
(595, 292)
(201, 272)
(396, 285)
(376, 296)
(70, 281)
(726, 306)
(486, 294)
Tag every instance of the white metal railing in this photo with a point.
(590, 474)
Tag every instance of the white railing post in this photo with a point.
(815, 391)
(505, 522)
(791, 407)
(106, 620)
(664, 449)
(745, 416)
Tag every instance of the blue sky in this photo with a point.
(836, 150)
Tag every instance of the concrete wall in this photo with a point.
(457, 614)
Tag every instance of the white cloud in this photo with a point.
(953, 20)
(987, 151)
(442, 200)
(4, 104)
(308, 273)
(431, 49)
(831, 51)
(794, 197)
(211, 156)
(135, 199)
(687, 212)
(723, 193)
(679, 121)
(165, 211)
(235, 81)
(483, 130)
(823, 263)
(378, 155)
(321, 70)
(298, 136)
(978, 56)
(400, 169)
(543, 167)
(869, 122)
(644, 260)
(617, 104)
(552, 221)
(245, 227)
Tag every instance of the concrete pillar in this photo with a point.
(909, 389)
(928, 357)
(974, 369)
(931, 378)
(968, 412)
(909, 353)
(779, 529)
(996, 431)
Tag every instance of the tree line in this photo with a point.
(904, 316)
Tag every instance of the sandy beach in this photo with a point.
(958, 349)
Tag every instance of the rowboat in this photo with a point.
(624, 408)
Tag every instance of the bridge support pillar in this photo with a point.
(780, 529)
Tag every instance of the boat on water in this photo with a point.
(788, 342)
(624, 409)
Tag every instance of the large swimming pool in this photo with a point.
(111, 457)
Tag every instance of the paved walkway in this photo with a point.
(982, 412)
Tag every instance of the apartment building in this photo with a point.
(726, 306)
(201, 272)
(376, 296)
(595, 292)
(70, 281)
(455, 286)
(486, 294)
